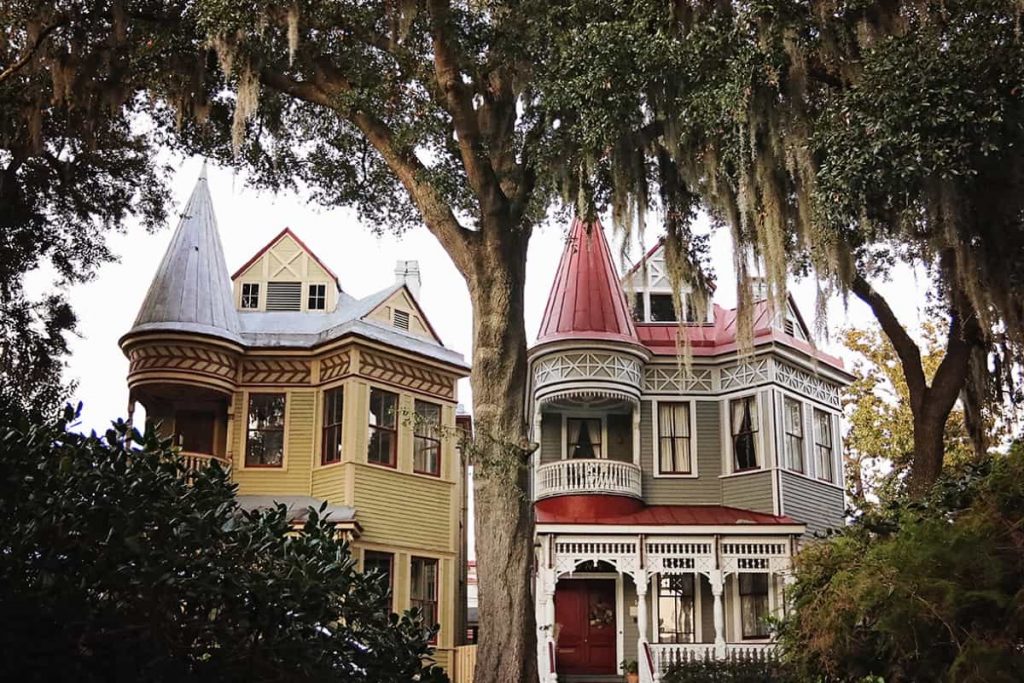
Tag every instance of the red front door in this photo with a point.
(585, 614)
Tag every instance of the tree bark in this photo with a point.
(503, 509)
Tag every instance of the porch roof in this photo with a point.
(671, 515)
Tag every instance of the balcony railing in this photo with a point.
(197, 461)
(666, 655)
(578, 476)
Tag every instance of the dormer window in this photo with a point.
(250, 295)
(284, 296)
(662, 310)
(317, 297)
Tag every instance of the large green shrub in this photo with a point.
(115, 565)
(713, 671)
(919, 591)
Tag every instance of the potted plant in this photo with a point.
(631, 669)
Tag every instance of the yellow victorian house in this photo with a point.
(310, 395)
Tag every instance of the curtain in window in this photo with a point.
(584, 438)
(674, 437)
(744, 431)
(754, 605)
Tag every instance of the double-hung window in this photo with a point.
(583, 437)
(383, 437)
(674, 438)
(264, 444)
(754, 605)
(423, 588)
(426, 451)
(744, 423)
(250, 295)
(793, 422)
(676, 608)
(334, 403)
(823, 444)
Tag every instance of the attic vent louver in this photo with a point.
(402, 320)
(284, 296)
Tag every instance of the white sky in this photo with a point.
(107, 305)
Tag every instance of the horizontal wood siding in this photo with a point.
(403, 509)
(294, 477)
(703, 490)
(749, 492)
(817, 505)
(550, 437)
(620, 437)
(329, 483)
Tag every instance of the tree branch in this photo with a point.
(27, 57)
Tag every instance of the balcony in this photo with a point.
(588, 476)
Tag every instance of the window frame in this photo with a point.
(819, 446)
(391, 569)
(326, 426)
(434, 439)
(756, 434)
(692, 438)
(695, 607)
(763, 622)
(320, 296)
(787, 435)
(416, 602)
(251, 296)
(603, 434)
(249, 430)
(393, 459)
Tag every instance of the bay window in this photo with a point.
(743, 420)
(793, 423)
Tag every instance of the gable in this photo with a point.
(402, 312)
(286, 262)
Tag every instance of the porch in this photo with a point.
(657, 599)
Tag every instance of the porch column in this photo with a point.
(547, 673)
(717, 589)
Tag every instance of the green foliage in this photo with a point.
(714, 671)
(919, 591)
(116, 564)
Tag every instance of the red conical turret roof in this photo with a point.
(586, 300)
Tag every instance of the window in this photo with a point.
(401, 319)
(823, 444)
(793, 419)
(662, 309)
(251, 295)
(675, 608)
(754, 605)
(264, 446)
(426, 449)
(317, 297)
(382, 563)
(583, 438)
(674, 438)
(383, 428)
(423, 589)
(334, 403)
(284, 296)
(743, 418)
(638, 307)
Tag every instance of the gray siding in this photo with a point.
(550, 437)
(620, 437)
(704, 490)
(815, 504)
(749, 491)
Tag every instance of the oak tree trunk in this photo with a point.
(929, 449)
(503, 510)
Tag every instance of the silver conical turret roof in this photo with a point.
(191, 291)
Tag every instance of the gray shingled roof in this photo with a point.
(191, 290)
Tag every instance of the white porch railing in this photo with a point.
(569, 477)
(668, 654)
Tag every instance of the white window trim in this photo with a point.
(836, 473)
(259, 295)
(657, 442)
(762, 443)
(584, 415)
(698, 614)
(737, 617)
(784, 459)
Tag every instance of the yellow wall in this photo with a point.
(400, 300)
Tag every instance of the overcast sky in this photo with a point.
(363, 262)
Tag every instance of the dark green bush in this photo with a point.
(729, 672)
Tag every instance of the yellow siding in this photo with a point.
(294, 477)
(403, 509)
(329, 483)
(386, 310)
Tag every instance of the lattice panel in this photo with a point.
(676, 556)
(177, 357)
(746, 374)
(587, 365)
(676, 380)
(807, 384)
(275, 371)
(404, 374)
(620, 553)
(335, 366)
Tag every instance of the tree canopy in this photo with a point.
(118, 564)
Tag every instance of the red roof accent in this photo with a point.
(586, 300)
(672, 515)
(275, 240)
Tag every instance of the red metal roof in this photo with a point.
(671, 515)
(586, 300)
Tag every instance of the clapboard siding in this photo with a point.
(620, 437)
(703, 490)
(550, 437)
(749, 491)
(329, 483)
(817, 505)
(403, 509)
(293, 478)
